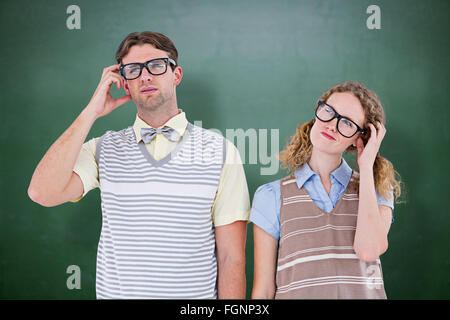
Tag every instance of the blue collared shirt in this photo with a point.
(266, 204)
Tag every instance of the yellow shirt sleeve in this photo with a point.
(86, 167)
(232, 201)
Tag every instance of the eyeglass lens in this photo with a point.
(345, 126)
(134, 70)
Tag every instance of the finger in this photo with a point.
(123, 81)
(381, 131)
(108, 81)
(114, 67)
(373, 132)
(122, 100)
(111, 69)
(377, 129)
(378, 125)
(118, 83)
(115, 78)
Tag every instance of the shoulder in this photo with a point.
(208, 133)
(207, 138)
(90, 145)
(273, 189)
(124, 133)
(286, 180)
(208, 143)
(111, 136)
(265, 212)
(267, 198)
(269, 189)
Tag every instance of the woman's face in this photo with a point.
(325, 136)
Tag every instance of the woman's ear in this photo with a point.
(352, 146)
(355, 139)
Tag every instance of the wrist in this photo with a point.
(365, 169)
(89, 114)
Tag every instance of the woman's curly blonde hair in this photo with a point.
(299, 149)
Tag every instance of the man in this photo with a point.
(175, 201)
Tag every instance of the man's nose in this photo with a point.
(145, 75)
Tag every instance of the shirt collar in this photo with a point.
(342, 174)
(303, 174)
(177, 122)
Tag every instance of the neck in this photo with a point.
(156, 118)
(324, 163)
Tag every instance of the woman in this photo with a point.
(319, 232)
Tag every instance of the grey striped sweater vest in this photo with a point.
(157, 238)
(316, 259)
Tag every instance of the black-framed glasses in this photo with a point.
(345, 126)
(156, 67)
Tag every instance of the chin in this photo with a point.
(328, 150)
(327, 146)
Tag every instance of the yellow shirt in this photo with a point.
(232, 201)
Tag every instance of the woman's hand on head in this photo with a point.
(368, 153)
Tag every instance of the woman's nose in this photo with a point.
(332, 125)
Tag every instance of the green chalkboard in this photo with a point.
(250, 65)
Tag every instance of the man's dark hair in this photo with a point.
(158, 40)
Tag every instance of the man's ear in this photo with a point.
(178, 72)
(125, 86)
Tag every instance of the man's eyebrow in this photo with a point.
(145, 60)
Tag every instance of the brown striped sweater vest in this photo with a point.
(316, 259)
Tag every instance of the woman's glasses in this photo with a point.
(345, 126)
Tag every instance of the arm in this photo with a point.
(230, 215)
(230, 246)
(265, 263)
(54, 181)
(373, 221)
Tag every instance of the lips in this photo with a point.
(148, 90)
(326, 135)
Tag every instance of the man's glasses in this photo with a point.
(156, 67)
(345, 126)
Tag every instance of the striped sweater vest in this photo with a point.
(316, 259)
(157, 238)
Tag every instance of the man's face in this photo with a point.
(148, 91)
